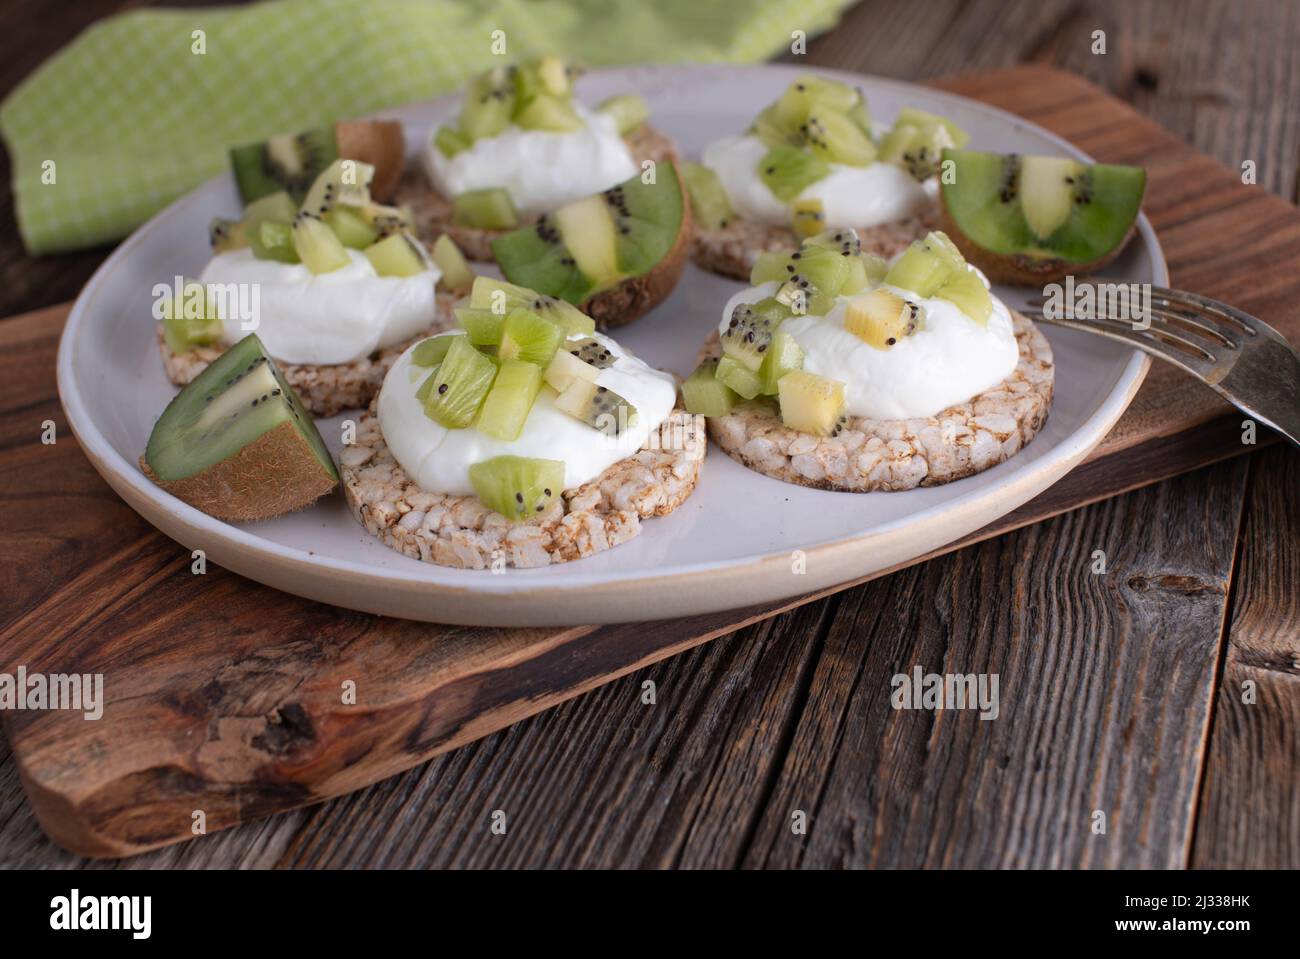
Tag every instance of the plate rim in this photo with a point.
(519, 603)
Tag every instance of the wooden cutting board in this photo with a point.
(227, 698)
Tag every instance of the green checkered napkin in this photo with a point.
(129, 116)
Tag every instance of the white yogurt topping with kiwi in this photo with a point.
(541, 169)
(337, 317)
(855, 196)
(947, 361)
(438, 459)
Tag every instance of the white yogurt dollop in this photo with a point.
(337, 317)
(949, 360)
(438, 459)
(856, 196)
(541, 169)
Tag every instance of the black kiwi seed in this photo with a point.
(519, 497)
(442, 388)
(547, 491)
(891, 341)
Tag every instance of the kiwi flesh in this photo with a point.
(632, 238)
(237, 442)
(508, 403)
(782, 357)
(192, 322)
(880, 318)
(398, 255)
(917, 140)
(317, 246)
(565, 367)
(1033, 220)
(597, 406)
(787, 171)
(517, 487)
(489, 293)
(487, 209)
(351, 228)
(273, 240)
(463, 380)
(227, 235)
(704, 393)
(292, 162)
(750, 329)
(628, 110)
(709, 201)
(811, 403)
(529, 337)
(456, 273)
(489, 104)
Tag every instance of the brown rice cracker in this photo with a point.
(870, 455)
(460, 531)
(732, 250)
(324, 390)
(432, 211)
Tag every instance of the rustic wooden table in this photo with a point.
(793, 714)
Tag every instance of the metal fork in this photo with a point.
(1243, 359)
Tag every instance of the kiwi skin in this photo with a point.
(275, 474)
(634, 297)
(1016, 269)
(380, 143)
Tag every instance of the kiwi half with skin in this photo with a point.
(1032, 220)
(617, 254)
(237, 442)
(292, 161)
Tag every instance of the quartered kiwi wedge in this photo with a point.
(633, 236)
(237, 442)
(1034, 219)
(291, 162)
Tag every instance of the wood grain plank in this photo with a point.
(1250, 804)
(1105, 685)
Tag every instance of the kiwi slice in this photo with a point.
(597, 406)
(432, 351)
(599, 241)
(1039, 214)
(286, 162)
(565, 367)
(842, 240)
(738, 378)
(483, 327)
(837, 139)
(917, 140)
(273, 206)
(501, 297)
(517, 487)
(787, 171)
(398, 255)
(545, 76)
(709, 200)
(317, 246)
(451, 263)
(192, 322)
(749, 331)
(451, 141)
(226, 235)
(489, 209)
(807, 216)
(628, 110)
(704, 393)
(273, 240)
(592, 351)
(811, 403)
(529, 337)
(549, 113)
(967, 292)
(342, 182)
(386, 220)
(881, 318)
(782, 357)
(237, 442)
(350, 227)
(509, 401)
(920, 268)
(489, 104)
(463, 379)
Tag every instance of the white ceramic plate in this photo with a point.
(733, 541)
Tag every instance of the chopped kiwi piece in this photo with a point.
(483, 327)
(565, 367)
(597, 406)
(398, 255)
(510, 399)
(273, 240)
(808, 92)
(226, 235)
(967, 292)
(238, 444)
(788, 171)
(819, 267)
(599, 241)
(192, 322)
(749, 331)
(837, 139)
(771, 267)
(501, 297)
(921, 269)
(432, 351)
(881, 318)
(529, 337)
(317, 246)
(463, 380)
(517, 487)
(451, 141)
(549, 113)
(704, 393)
(802, 297)
(489, 104)
(841, 240)
(350, 227)
(858, 278)
(917, 140)
(782, 357)
(709, 201)
(591, 350)
(628, 110)
(546, 76)
(775, 131)
(273, 206)
(738, 378)
(451, 263)
(344, 182)
(386, 220)
(287, 162)
(490, 209)
(807, 216)
(810, 403)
